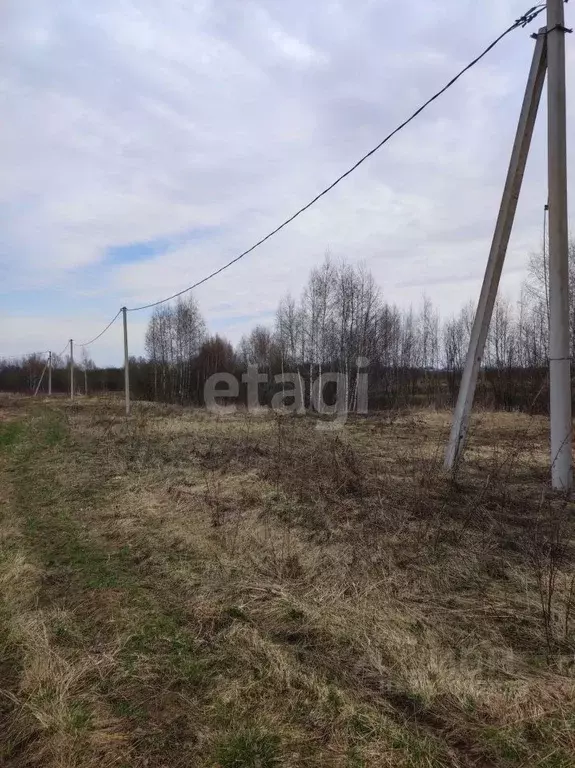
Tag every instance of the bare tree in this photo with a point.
(173, 341)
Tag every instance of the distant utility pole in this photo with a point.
(559, 341)
(71, 369)
(49, 373)
(126, 361)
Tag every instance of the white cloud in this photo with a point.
(131, 121)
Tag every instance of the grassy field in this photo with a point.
(249, 592)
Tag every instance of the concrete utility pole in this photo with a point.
(49, 374)
(71, 369)
(559, 341)
(545, 262)
(126, 361)
(497, 253)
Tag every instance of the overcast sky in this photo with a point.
(144, 144)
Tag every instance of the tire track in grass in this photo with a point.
(106, 677)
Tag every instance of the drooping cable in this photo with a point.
(110, 324)
(522, 21)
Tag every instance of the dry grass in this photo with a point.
(186, 590)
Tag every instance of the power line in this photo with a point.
(77, 344)
(112, 321)
(523, 21)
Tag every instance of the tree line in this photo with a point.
(340, 323)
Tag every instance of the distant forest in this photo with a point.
(414, 357)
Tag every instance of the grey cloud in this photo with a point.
(130, 120)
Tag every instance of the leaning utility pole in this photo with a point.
(39, 384)
(559, 341)
(497, 253)
(549, 56)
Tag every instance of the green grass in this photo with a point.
(158, 649)
(80, 717)
(515, 745)
(10, 434)
(250, 748)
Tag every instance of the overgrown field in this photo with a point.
(180, 589)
